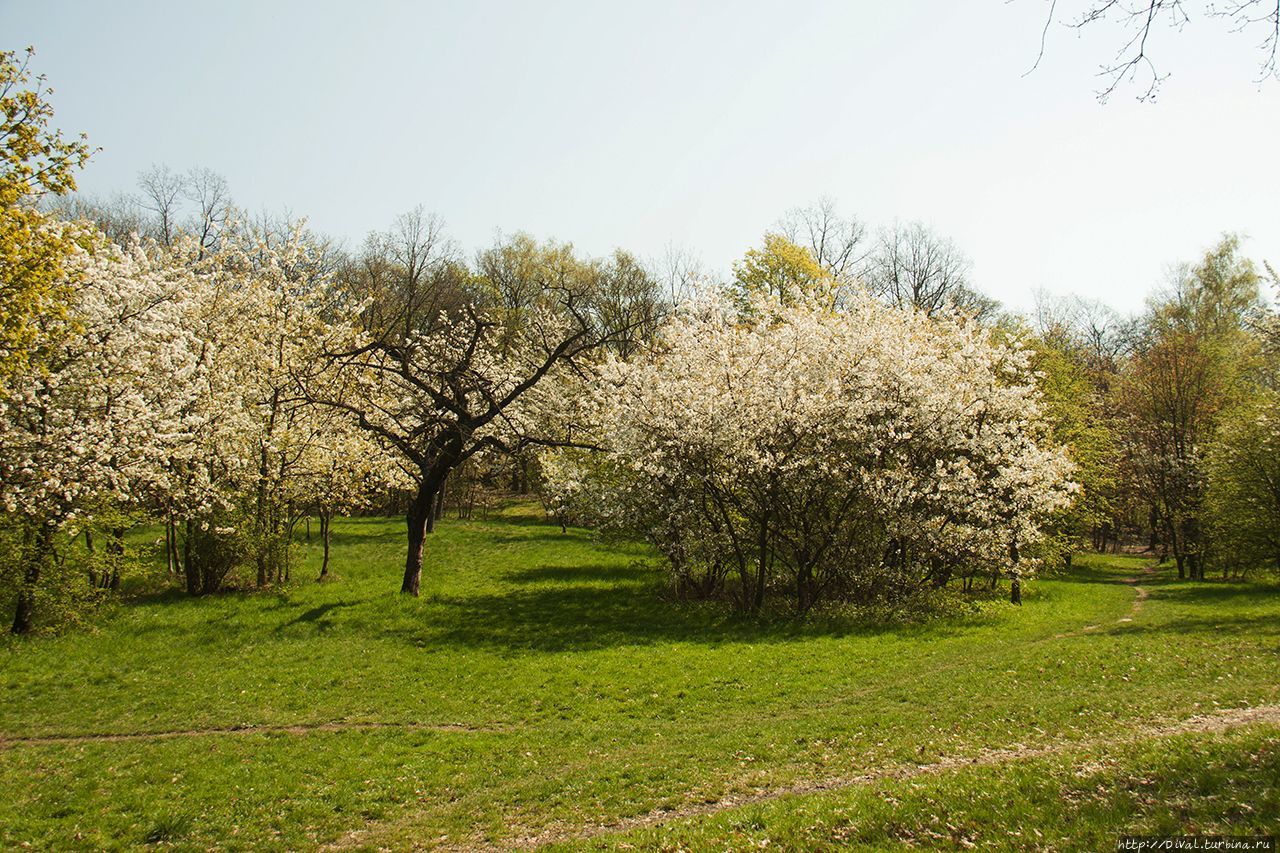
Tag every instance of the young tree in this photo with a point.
(340, 469)
(445, 365)
(1243, 499)
(35, 160)
(1079, 421)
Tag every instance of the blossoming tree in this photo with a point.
(855, 452)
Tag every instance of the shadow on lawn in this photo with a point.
(637, 572)
(592, 607)
(316, 616)
(1259, 625)
(1214, 606)
(1092, 570)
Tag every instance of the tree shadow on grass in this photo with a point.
(554, 610)
(1252, 625)
(317, 616)
(1215, 607)
(1087, 572)
(360, 531)
(532, 535)
(1219, 592)
(634, 573)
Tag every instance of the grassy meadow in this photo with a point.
(543, 691)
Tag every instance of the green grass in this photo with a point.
(1221, 784)
(541, 683)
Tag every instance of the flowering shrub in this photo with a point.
(857, 453)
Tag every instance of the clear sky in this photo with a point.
(696, 124)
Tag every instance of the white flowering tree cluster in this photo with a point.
(856, 453)
(85, 422)
(225, 379)
(167, 387)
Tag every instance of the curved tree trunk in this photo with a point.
(326, 519)
(420, 520)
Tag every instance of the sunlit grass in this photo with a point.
(545, 682)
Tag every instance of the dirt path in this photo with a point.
(7, 741)
(1207, 723)
(1142, 594)
(1140, 599)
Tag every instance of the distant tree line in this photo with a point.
(845, 418)
(1173, 416)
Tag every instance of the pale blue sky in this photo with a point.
(695, 124)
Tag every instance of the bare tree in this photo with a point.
(208, 191)
(411, 273)
(680, 273)
(1141, 21)
(911, 266)
(168, 203)
(837, 243)
(1089, 329)
(119, 216)
(162, 193)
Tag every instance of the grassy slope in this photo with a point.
(583, 697)
(1219, 784)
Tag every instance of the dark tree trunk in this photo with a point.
(189, 567)
(171, 543)
(39, 548)
(116, 548)
(260, 516)
(210, 581)
(88, 544)
(420, 520)
(804, 589)
(762, 566)
(1015, 586)
(26, 601)
(326, 518)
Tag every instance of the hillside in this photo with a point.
(542, 690)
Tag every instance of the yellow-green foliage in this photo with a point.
(34, 160)
(783, 269)
(1244, 484)
(1078, 422)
